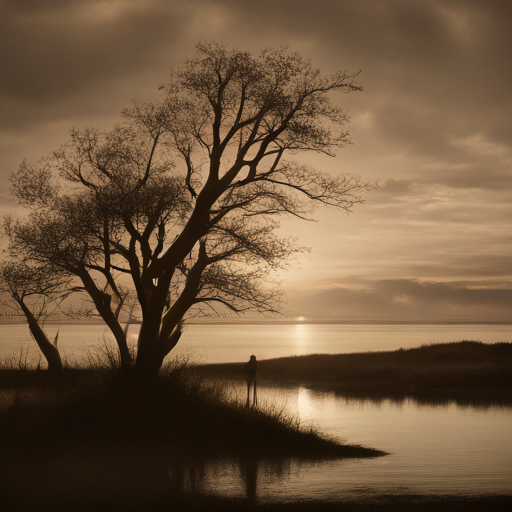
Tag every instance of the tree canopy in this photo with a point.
(177, 205)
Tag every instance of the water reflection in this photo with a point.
(249, 477)
(188, 477)
(437, 445)
(421, 399)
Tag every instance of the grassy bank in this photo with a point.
(202, 415)
(80, 442)
(467, 366)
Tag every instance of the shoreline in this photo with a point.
(465, 369)
(86, 321)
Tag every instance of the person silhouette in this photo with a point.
(250, 368)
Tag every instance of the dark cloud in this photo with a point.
(55, 52)
(77, 56)
(483, 264)
(452, 294)
(396, 187)
(480, 175)
(405, 299)
(433, 71)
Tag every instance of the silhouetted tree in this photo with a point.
(178, 201)
(37, 294)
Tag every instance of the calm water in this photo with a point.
(439, 448)
(433, 448)
(233, 343)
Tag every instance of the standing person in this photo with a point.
(250, 368)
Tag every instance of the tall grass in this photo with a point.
(187, 412)
(217, 418)
(466, 365)
(19, 361)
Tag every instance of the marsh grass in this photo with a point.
(469, 366)
(185, 413)
(19, 361)
(79, 441)
(216, 419)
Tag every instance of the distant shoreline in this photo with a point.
(22, 321)
(94, 321)
(355, 322)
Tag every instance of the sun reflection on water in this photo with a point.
(301, 337)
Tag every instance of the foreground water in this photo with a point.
(435, 447)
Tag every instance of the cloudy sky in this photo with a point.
(433, 128)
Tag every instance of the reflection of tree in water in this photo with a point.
(247, 474)
(462, 400)
(257, 471)
(251, 468)
(188, 477)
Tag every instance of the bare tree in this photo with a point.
(37, 294)
(179, 199)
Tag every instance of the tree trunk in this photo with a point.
(119, 335)
(148, 362)
(49, 350)
(102, 303)
(167, 344)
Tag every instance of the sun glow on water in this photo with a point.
(301, 337)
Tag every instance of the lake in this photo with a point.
(435, 447)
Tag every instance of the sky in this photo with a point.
(432, 128)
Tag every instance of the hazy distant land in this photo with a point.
(14, 320)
